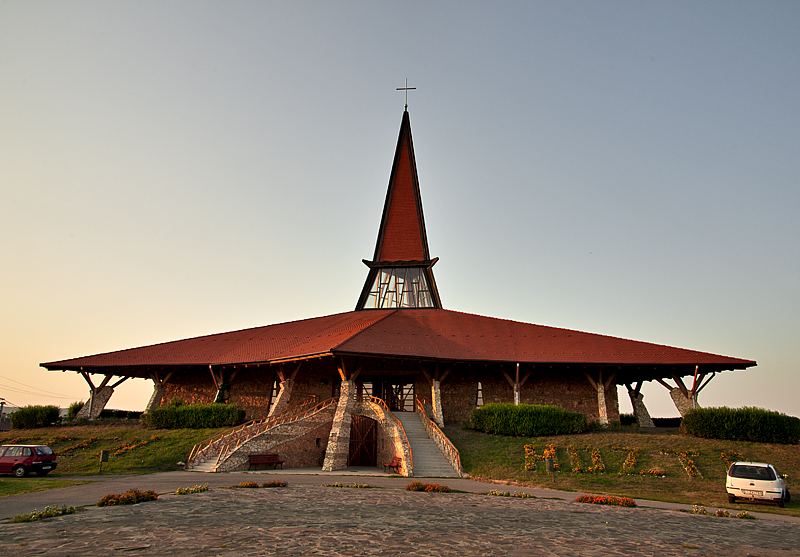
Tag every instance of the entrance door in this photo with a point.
(363, 442)
(399, 396)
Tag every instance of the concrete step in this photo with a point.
(428, 459)
(205, 466)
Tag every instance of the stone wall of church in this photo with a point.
(190, 387)
(318, 383)
(568, 390)
(251, 390)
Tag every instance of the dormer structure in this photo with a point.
(401, 271)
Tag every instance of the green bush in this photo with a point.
(527, 420)
(742, 424)
(29, 417)
(119, 415)
(193, 416)
(73, 410)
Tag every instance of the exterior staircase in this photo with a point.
(211, 453)
(428, 458)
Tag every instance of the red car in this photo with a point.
(21, 459)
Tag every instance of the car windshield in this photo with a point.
(749, 472)
(44, 451)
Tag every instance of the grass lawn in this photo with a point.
(133, 448)
(15, 486)
(495, 457)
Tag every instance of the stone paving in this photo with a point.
(308, 519)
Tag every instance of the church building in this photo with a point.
(340, 389)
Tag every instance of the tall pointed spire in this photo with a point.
(401, 274)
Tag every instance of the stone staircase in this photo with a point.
(211, 455)
(429, 462)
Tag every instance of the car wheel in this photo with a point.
(788, 497)
(731, 498)
(780, 503)
(20, 471)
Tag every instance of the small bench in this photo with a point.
(270, 458)
(394, 464)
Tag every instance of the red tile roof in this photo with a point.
(402, 233)
(428, 334)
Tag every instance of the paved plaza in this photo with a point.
(307, 518)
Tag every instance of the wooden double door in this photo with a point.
(363, 442)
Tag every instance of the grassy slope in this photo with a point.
(163, 450)
(503, 458)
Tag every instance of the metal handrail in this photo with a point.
(281, 419)
(204, 446)
(438, 436)
(380, 402)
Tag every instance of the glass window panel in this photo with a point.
(400, 287)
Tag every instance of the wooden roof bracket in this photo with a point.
(703, 385)
(681, 385)
(343, 370)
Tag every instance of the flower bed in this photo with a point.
(656, 472)
(431, 488)
(606, 500)
(353, 485)
(597, 466)
(275, 483)
(48, 512)
(135, 444)
(531, 458)
(721, 513)
(78, 446)
(629, 466)
(193, 489)
(130, 497)
(519, 494)
(730, 457)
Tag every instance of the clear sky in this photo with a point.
(174, 169)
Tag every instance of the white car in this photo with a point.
(756, 481)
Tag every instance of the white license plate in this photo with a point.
(46, 467)
(752, 492)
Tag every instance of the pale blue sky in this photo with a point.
(172, 169)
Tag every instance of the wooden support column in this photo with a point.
(98, 396)
(516, 383)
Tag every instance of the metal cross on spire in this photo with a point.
(406, 89)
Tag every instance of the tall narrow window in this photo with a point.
(479, 395)
(274, 394)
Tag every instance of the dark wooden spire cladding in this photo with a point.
(402, 239)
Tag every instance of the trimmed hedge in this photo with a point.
(119, 415)
(528, 420)
(742, 424)
(30, 417)
(193, 416)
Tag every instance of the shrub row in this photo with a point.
(120, 415)
(29, 417)
(528, 420)
(193, 416)
(742, 424)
